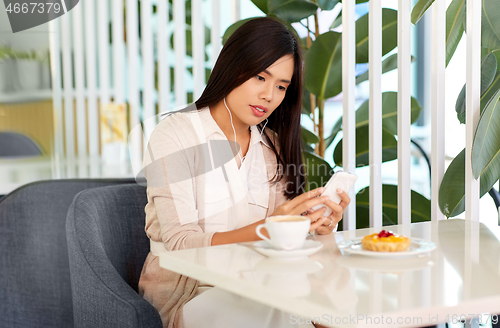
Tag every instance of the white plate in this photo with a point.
(310, 247)
(417, 246)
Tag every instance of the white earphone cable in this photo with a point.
(234, 131)
(241, 159)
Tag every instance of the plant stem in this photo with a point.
(316, 25)
(321, 105)
(311, 96)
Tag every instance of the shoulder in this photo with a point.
(177, 125)
(177, 121)
(175, 132)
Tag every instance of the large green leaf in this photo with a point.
(389, 34)
(420, 9)
(318, 170)
(306, 103)
(389, 115)
(389, 147)
(309, 137)
(262, 5)
(486, 146)
(496, 52)
(324, 65)
(420, 207)
(336, 129)
(490, 27)
(488, 72)
(292, 10)
(389, 64)
(490, 92)
(327, 4)
(452, 189)
(337, 22)
(455, 21)
(232, 28)
(389, 112)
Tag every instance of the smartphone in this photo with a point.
(340, 180)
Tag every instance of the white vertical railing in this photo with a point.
(375, 116)
(91, 71)
(404, 108)
(81, 111)
(104, 60)
(236, 10)
(148, 69)
(69, 130)
(349, 115)
(55, 66)
(215, 34)
(438, 59)
(198, 39)
(473, 110)
(118, 53)
(180, 52)
(163, 53)
(134, 100)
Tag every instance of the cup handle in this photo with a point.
(257, 230)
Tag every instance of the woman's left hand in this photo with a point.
(334, 218)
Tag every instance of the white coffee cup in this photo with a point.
(287, 232)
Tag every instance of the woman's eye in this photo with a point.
(260, 78)
(282, 88)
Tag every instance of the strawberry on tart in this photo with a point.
(385, 241)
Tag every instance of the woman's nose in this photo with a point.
(267, 92)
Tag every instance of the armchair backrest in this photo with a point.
(13, 144)
(107, 248)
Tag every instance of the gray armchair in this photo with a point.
(35, 288)
(13, 144)
(107, 248)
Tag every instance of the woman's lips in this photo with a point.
(258, 110)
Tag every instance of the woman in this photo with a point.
(217, 170)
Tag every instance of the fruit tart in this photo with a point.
(385, 241)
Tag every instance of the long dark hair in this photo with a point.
(251, 49)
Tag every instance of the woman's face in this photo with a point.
(256, 99)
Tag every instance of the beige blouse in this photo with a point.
(195, 189)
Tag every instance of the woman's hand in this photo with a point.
(297, 206)
(338, 210)
(303, 203)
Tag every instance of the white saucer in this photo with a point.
(310, 247)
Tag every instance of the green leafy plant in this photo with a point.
(486, 145)
(323, 80)
(7, 52)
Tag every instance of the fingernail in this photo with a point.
(321, 190)
(339, 191)
(324, 219)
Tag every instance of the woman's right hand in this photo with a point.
(302, 203)
(296, 206)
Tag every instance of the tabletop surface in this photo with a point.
(460, 278)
